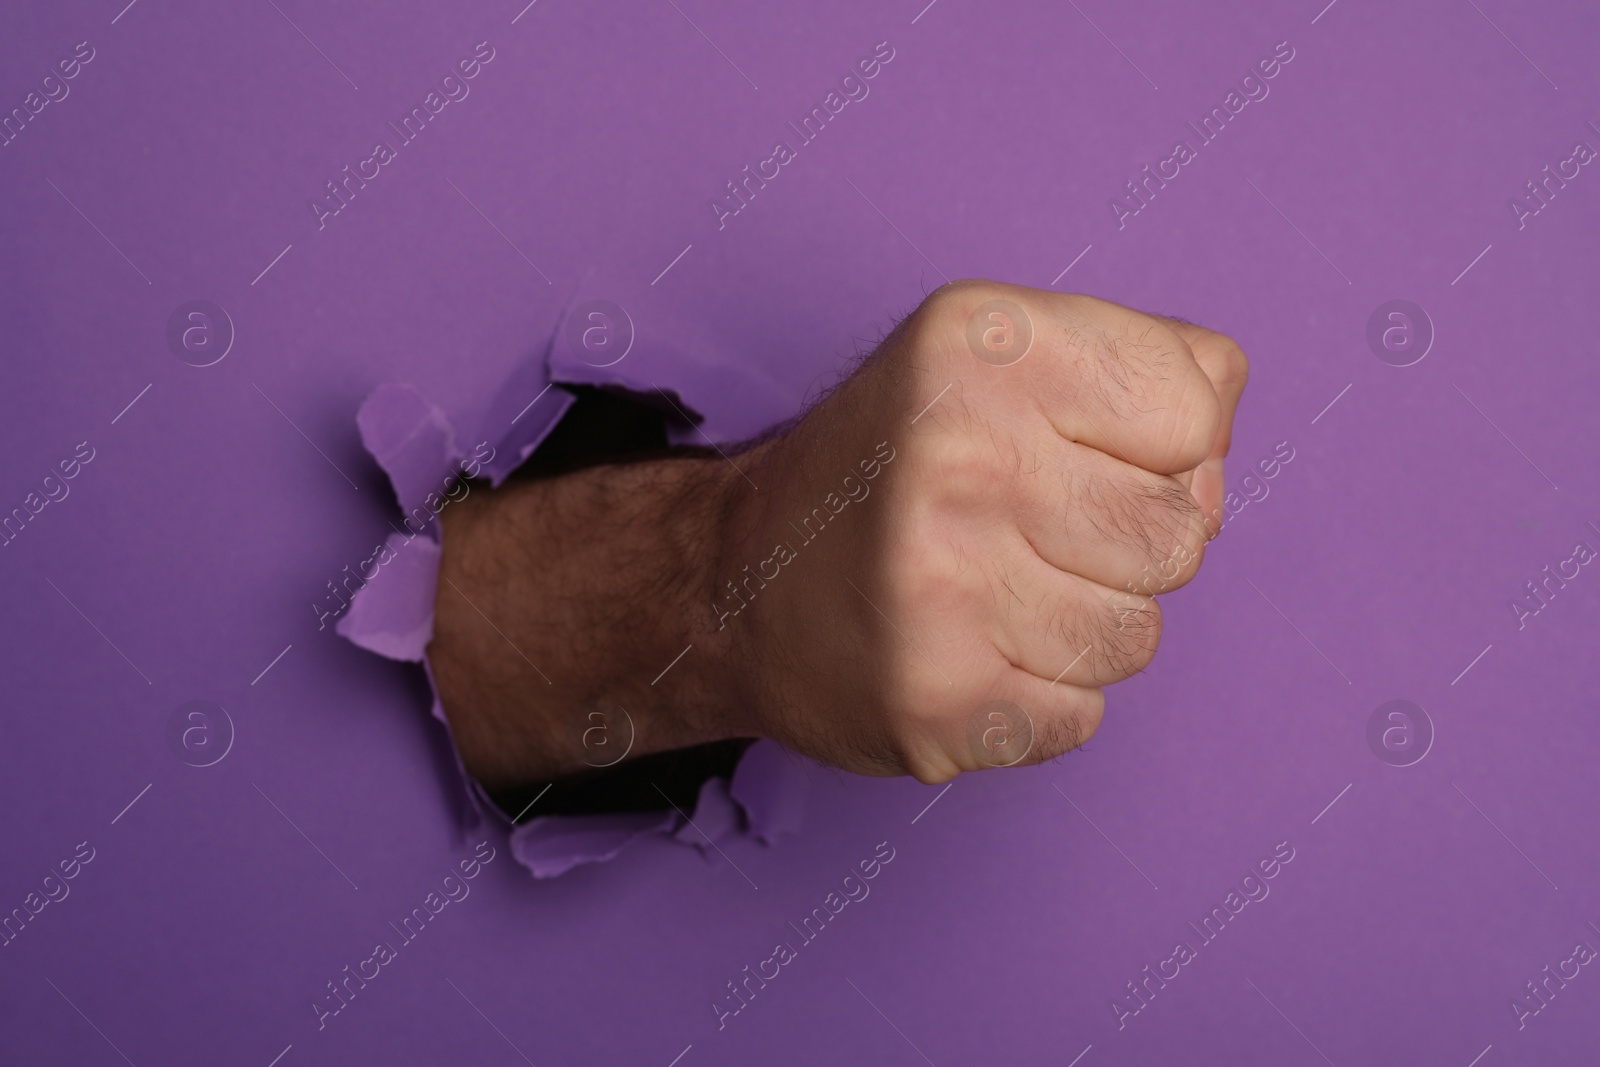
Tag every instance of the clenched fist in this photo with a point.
(937, 569)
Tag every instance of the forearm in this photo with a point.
(567, 596)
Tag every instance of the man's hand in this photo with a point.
(944, 562)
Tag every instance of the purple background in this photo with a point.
(1416, 906)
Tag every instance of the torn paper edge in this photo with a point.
(392, 615)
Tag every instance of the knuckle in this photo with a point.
(1172, 535)
(1070, 622)
(976, 320)
(1057, 736)
(1069, 730)
(1156, 519)
(952, 303)
(932, 572)
(1117, 639)
(963, 472)
(1131, 633)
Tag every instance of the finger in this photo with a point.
(1111, 522)
(1225, 365)
(1123, 382)
(1066, 629)
(1026, 721)
(1103, 375)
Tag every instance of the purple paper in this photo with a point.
(218, 808)
(393, 614)
(553, 845)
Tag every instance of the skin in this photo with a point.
(958, 605)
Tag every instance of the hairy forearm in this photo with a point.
(562, 600)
